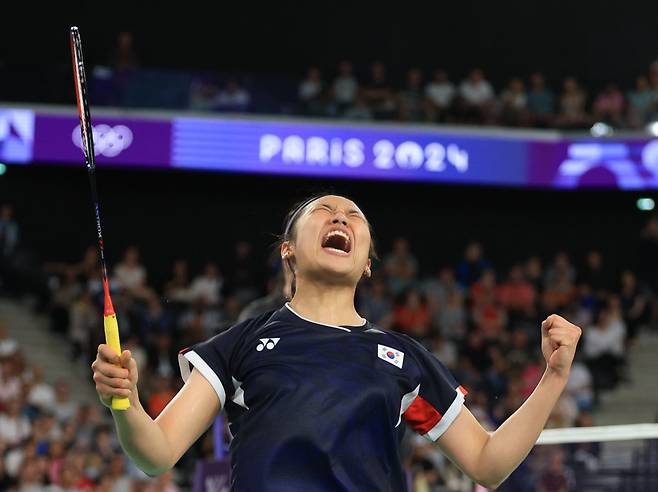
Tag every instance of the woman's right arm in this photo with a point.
(154, 445)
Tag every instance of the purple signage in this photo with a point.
(117, 141)
(335, 149)
(212, 476)
(344, 151)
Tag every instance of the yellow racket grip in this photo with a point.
(112, 339)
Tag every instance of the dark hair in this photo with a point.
(289, 232)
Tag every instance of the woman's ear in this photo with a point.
(286, 250)
(368, 271)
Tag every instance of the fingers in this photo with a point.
(105, 390)
(110, 370)
(116, 383)
(107, 353)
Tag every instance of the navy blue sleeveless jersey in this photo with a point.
(314, 407)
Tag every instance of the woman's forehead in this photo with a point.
(335, 201)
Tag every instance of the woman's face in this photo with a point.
(331, 241)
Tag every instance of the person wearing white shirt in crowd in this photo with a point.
(604, 349)
(440, 92)
(130, 276)
(233, 97)
(208, 286)
(310, 92)
(477, 97)
(64, 408)
(579, 385)
(8, 346)
(10, 382)
(14, 427)
(41, 394)
(345, 87)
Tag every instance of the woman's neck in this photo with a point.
(326, 304)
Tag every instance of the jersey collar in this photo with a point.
(344, 328)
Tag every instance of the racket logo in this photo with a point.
(109, 141)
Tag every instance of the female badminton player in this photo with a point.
(315, 394)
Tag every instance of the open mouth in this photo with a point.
(337, 242)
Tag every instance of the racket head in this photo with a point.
(81, 94)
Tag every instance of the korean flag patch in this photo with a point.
(390, 355)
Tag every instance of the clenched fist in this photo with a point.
(114, 375)
(559, 339)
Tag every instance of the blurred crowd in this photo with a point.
(480, 319)
(375, 93)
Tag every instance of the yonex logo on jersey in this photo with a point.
(390, 355)
(268, 343)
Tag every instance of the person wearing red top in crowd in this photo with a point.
(488, 316)
(162, 394)
(413, 317)
(517, 294)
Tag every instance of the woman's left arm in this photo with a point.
(490, 457)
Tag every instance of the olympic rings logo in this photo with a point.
(109, 141)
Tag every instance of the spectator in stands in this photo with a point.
(451, 319)
(177, 288)
(155, 319)
(204, 94)
(117, 472)
(488, 316)
(8, 345)
(163, 392)
(207, 287)
(595, 276)
(379, 93)
(124, 57)
(476, 98)
(311, 93)
(440, 94)
(162, 483)
(472, 265)
(541, 102)
(278, 288)
(412, 316)
(400, 266)
(635, 303)
(572, 112)
(233, 98)
(10, 379)
(513, 104)
(641, 101)
(517, 294)
(9, 233)
(604, 349)
(412, 105)
(243, 275)
(162, 355)
(559, 283)
(580, 385)
(64, 407)
(359, 110)
(345, 88)
(40, 394)
(441, 286)
(14, 427)
(445, 350)
(647, 254)
(609, 106)
(84, 321)
(376, 304)
(557, 477)
(129, 276)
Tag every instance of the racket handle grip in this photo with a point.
(112, 339)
